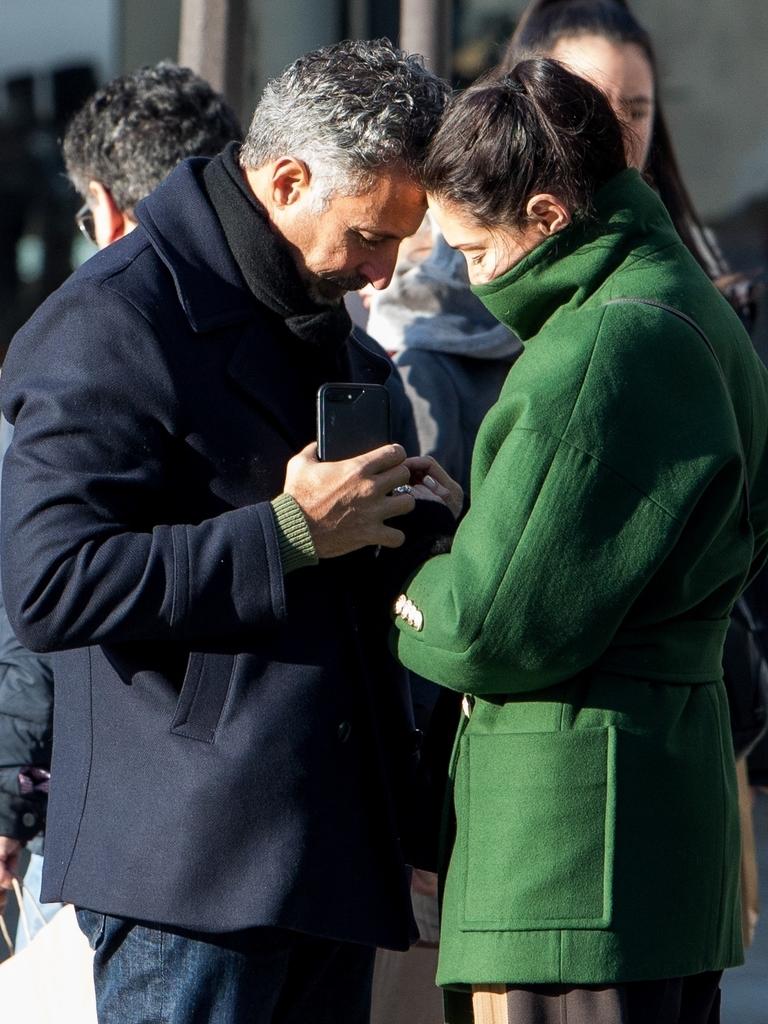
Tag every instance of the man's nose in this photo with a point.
(379, 271)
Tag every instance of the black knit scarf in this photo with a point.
(264, 261)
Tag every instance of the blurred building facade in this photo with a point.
(713, 78)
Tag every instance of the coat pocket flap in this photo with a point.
(203, 693)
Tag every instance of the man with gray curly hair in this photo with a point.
(347, 117)
(233, 741)
(333, 153)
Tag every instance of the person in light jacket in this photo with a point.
(619, 506)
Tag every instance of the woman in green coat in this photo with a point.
(619, 506)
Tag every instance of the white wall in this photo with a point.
(714, 81)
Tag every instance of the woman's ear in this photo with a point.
(547, 213)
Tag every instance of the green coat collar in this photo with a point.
(571, 265)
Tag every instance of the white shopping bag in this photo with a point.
(51, 980)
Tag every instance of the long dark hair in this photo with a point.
(539, 128)
(543, 24)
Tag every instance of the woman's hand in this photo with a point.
(429, 480)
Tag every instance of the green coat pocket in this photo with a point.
(536, 829)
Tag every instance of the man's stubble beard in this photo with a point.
(329, 289)
(324, 287)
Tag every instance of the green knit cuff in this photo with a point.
(297, 548)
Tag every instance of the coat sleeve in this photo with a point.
(441, 432)
(87, 557)
(26, 721)
(552, 553)
(403, 423)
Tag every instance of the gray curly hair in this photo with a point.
(131, 133)
(348, 110)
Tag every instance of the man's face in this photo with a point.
(353, 241)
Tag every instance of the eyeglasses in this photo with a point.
(84, 220)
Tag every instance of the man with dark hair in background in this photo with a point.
(233, 738)
(132, 133)
(117, 149)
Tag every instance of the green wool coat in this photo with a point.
(583, 607)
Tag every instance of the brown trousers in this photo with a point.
(693, 1000)
(750, 885)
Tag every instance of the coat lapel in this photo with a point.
(263, 365)
(264, 368)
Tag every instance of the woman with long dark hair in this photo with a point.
(619, 505)
(602, 41)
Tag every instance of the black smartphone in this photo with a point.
(351, 419)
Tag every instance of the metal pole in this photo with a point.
(425, 27)
(211, 42)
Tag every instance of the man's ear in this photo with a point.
(547, 213)
(109, 222)
(289, 180)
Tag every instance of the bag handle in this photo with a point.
(6, 935)
(18, 890)
(637, 300)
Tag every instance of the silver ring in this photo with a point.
(403, 489)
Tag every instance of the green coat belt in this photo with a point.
(583, 607)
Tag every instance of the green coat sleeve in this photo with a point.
(552, 554)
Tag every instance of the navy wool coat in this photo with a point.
(231, 746)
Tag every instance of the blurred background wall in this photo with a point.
(54, 52)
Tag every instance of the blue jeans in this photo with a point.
(148, 974)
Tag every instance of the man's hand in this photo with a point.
(347, 502)
(9, 862)
(430, 480)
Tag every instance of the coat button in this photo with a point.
(417, 739)
(344, 731)
(28, 820)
